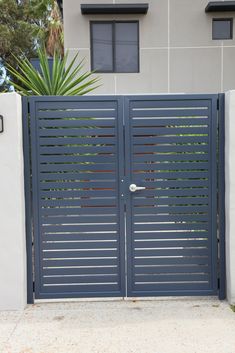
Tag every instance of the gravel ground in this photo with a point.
(160, 326)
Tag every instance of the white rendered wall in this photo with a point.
(13, 287)
(230, 192)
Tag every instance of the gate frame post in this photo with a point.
(230, 194)
(28, 200)
(221, 197)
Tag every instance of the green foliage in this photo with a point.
(23, 26)
(233, 308)
(66, 79)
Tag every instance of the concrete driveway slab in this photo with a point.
(166, 326)
(8, 323)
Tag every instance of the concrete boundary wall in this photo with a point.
(13, 282)
(230, 193)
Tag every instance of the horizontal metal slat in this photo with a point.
(51, 150)
(80, 270)
(139, 123)
(170, 157)
(91, 104)
(79, 280)
(94, 261)
(169, 192)
(146, 270)
(171, 218)
(172, 252)
(82, 237)
(108, 167)
(63, 211)
(171, 166)
(171, 201)
(169, 103)
(172, 288)
(170, 148)
(171, 226)
(79, 185)
(171, 235)
(63, 141)
(76, 159)
(80, 202)
(172, 278)
(171, 174)
(79, 177)
(80, 227)
(85, 114)
(73, 122)
(174, 260)
(158, 243)
(66, 245)
(159, 131)
(82, 290)
(167, 113)
(169, 140)
(152, 184)
(78, 193)
(57, 132)
(170, 209)
(79, 254)
(79, 219)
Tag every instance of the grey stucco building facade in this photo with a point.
(177, 53)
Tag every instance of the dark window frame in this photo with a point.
(219, 19)
(113, 71)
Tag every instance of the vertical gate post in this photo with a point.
(221, 200)
(13, 291)
(230, 193)
(28, 201)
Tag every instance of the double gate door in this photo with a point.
(124, 195)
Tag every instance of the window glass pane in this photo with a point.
(126, 47)
(222, 29)
(102, 55)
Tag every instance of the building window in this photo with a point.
(115, 46)
(222, 28)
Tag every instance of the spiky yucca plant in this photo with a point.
(65, 79)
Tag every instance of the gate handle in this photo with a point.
(134, 188)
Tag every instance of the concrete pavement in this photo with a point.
(161, 326)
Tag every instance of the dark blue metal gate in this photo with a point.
(77, 161)
(172, 232)
(108, 212)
